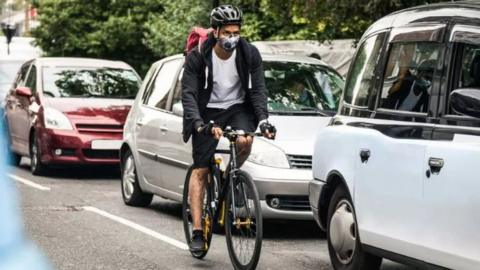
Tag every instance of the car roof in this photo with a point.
(462, 12)
(273, 58)
(14, 58)
(81, 62)
(293, 58)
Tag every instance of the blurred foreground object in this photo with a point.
(16, 251)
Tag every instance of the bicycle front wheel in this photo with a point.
(243, 224)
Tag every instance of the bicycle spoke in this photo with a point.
(243, 231)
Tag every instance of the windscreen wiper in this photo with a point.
(313, 109)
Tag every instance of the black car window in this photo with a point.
(467, 69)
(32, 79)
(408, 77)
(358, 90)
(157, 93)
(470, 67)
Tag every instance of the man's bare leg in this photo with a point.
(244, 147)
(196, 191)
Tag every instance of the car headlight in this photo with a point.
(55, 119)
(267, 154)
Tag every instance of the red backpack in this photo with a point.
(195, 38)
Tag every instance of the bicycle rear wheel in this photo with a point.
(207, 217)
(243, 224)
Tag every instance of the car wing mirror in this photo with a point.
(23, 91)
(177, 109)
(466, 101)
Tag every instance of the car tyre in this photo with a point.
(131, 192)
(36, 165)
(344, 246)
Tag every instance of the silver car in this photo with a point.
(303, 93)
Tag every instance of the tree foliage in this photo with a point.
(111, 29)
(167, 31)
(142, 31)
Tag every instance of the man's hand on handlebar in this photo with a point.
(217, 132)
(211, 129)
(268, 130)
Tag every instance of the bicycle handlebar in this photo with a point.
(228, 132)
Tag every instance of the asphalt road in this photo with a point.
(77, 217)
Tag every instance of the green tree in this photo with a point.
(111, 29)
(167, 32)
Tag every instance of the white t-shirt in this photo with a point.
(410, 101)
(227, 87)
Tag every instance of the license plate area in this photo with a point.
(106, 144)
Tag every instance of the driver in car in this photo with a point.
(414, 91)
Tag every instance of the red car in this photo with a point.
(69, 111)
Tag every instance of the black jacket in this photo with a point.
(196, 92)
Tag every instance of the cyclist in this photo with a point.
(222, 83)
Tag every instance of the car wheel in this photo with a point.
(36, 165)
(131, 191)
(344, 244)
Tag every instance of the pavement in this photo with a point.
(78, 219)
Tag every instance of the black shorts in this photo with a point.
(237, 116)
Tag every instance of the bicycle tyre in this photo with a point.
(231, 231)
(186, 217)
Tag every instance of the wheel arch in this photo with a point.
(31, 133)
(123, 149)
(333, 181)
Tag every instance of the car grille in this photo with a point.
(101, 154)
(289, 202)
(300, 162)
(93, 128)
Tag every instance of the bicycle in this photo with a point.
(231, 203)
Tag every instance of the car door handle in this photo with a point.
(139, 122)
(435, 164)
(364, 155)
(163, 128)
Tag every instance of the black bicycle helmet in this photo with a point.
(225, 15)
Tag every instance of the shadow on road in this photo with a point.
(76, 172)
(167, 207)
(272, 229)
(291, 229)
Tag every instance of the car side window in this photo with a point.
(22, 75)
(408, 77)
(177, 91)
(467, 66)
(31, 81)
(157, 93)
(470, 67)
(359, 88)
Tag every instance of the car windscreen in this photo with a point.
(80, 82)
(8, 71)
(300, 87)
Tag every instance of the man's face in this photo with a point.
(228, 30)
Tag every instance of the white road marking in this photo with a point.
(138, 227)
(28, 182)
